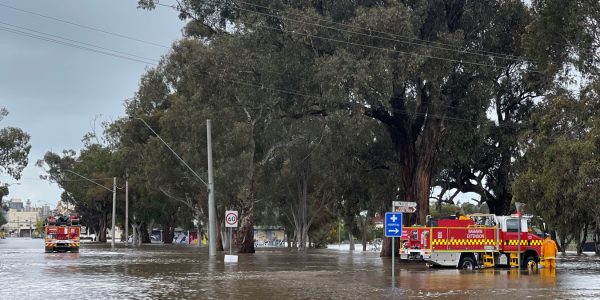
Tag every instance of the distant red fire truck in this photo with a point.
(479, 240)
(62, 233)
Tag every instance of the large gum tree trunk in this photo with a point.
(386, 247)
(416, 151)
(303, 221)
(597, 234)
(424, 169)
(500, 204)
(145, 235)
(246, 233)
(102, 234)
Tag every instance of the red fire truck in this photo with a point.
(62, 233)
(479, 240)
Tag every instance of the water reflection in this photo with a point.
(176, 272)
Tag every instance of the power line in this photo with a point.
(84, 26)
(489, 54)
(78, 42)
(419, 42)
(69, 44)
(381, 48)
(250, 84)
(258, 86)
(373, 47)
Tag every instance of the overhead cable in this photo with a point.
(84, 26)
(398, 38)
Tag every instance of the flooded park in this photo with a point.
(159, 271)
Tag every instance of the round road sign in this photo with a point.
(231, 218)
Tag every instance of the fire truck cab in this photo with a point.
(62, 233)
(481, 240)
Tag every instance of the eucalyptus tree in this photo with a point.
(560, 177)
(162, 186)
(304, 174)
(565, 40)
(254, 73)
(426, 71)
(92, 200)
(364, 174)
(565, 35)
(14, 152)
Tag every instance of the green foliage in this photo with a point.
(91, 197)
(14, 149)
(565, 34)
(14, 152)
(560, 181)
(314, 121)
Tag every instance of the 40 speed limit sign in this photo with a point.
(231, 218)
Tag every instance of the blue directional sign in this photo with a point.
(393, 224)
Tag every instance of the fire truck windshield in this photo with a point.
(534, 228)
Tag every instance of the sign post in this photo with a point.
(393, 229)
(231, 221)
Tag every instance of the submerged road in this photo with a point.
(185, 272)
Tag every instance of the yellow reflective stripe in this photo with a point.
(461, 242)
(523, 242)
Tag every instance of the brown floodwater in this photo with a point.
(185, 272)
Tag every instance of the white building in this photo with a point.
(23, 218)
(20, 222)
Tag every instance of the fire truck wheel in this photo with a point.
(467, 263)
(530, 263)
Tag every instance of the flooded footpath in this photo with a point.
(185, 272)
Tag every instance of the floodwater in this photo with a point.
(185, 272)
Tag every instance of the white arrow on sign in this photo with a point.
(394, 231)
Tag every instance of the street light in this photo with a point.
(114, 208)
(212, 224)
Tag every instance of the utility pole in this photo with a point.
(126, 211)
(212, 223)
(114, 212)
(212, 226)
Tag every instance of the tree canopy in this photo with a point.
(323, 109)
(14, 156)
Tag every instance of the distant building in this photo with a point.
(22, 219)
(20, 223)
(45, 211)
(16, 204)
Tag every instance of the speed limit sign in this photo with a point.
(231, 218)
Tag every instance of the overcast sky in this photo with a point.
(55, 92)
